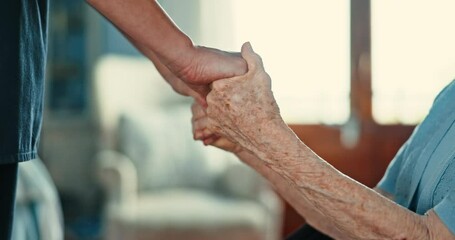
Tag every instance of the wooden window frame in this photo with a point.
(377, 144)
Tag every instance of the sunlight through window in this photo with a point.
(413, 57)
(304, 45)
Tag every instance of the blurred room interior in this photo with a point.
(352, 78)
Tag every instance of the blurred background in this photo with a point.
(351, 77)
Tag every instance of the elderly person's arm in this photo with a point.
(146, 24)
(243, 110)
(288, 191)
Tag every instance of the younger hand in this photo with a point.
(202, 65)
(192, 75)
(183, 88)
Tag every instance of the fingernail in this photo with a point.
(202, 101)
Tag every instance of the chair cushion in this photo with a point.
(161, 146)
(183, 210)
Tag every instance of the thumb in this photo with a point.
(252, 59)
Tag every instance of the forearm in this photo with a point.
(147, 24)
(176, 83)
(160, 67)
(383, 193)
(244, 110)
(355, 210)
(151, 30)
(290, 193)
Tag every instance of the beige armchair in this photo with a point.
(159, 182)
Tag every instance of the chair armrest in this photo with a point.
(118, 176)
(240, 181)
(275, 212)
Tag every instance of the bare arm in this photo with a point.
(356, 211)
(198, 92)
(290, 192)
(287, 191)
(147, 24)
(385, 194)
(243, 110)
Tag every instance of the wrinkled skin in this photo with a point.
(201, 132)
(242, 117)
(241, 108)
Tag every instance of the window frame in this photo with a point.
(377, 144)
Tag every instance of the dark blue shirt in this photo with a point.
(23, 46)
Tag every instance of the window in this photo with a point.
(304, 45)
(413, 57)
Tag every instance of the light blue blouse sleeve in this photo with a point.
(446, 211)
(444, 197)
(388, 181)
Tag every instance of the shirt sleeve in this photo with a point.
(446, 211)
(388, 181)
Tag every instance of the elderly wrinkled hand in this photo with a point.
(241, 108)
(202, 132)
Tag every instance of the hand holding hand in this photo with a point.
(201, 132)
(182, 87)
(203, 65)
(242, 108)
(192, 74)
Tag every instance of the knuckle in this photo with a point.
(263, 75)
(210, 100)
(258, 58)
(217, 85)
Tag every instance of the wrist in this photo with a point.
(277, 141)
(179, 59)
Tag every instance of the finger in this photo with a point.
(198, 111)
(201, 93)
(252, 59)
(198, 135)
(208, 95)
(200, 99)
(207, 133)
(200, 130)
(201, 135)
(219, 84)
(210, 140)
(201, 89)
(200, 124)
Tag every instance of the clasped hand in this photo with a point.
(239, 110)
